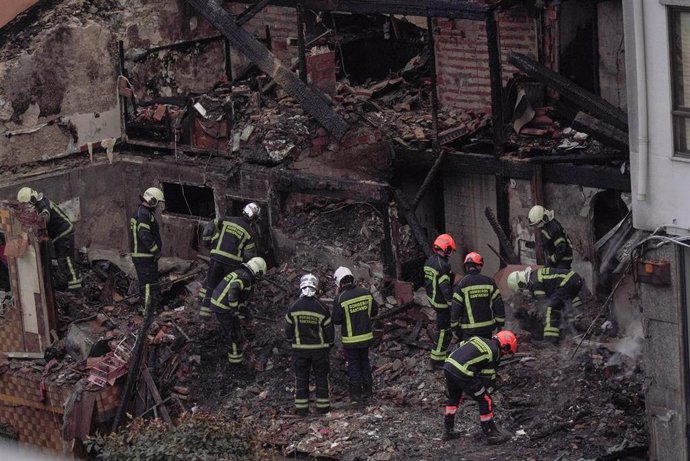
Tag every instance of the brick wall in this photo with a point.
(462, 59)
(282, 22)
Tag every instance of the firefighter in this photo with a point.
(354, 308)
(229, 303)
(471, 370)
(477, 308)
(438, 279)
(558, 251)
(145, 246)
(60, 230)
(560, 285)
(231, 241)
(309, 328)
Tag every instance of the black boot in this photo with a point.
(494, 434)
(367, 389)
(356, 394)
(449, 423)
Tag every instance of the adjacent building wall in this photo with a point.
(666, 201)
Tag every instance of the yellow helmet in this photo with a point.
(27, 194)
(153, 196)
(257, 265)
(518, 280)
(538, 215)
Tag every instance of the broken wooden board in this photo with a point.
(601, 131)
(311, 100)
(585, 100)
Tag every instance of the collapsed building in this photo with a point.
(435, 115)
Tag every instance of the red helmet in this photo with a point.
(474, 258)
(507, 340)
(444, 244)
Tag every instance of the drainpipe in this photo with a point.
(641, 84)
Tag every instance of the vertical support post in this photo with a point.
(494, 48)
(391, 260)
(537, 184)
(301, 44)
(434, 86)
(228, 59)
(123, 72)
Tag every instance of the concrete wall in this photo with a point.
(666, 199)
(664, 361)
(611, 53)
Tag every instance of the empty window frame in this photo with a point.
(679, 29)
(187, 200)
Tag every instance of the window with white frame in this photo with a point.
(679, 27)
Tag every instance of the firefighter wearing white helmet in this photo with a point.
(229, 304)
(309, 328)
(61, 232)
(559, 285)
(231, 241)
(145, 247)
(558, 251)
(354, 308)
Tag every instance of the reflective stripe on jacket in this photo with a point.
(308, 324)
(437, 281)
(353, 308)
(144, 234)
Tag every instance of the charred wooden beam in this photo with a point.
(430, 8)
(601, 131)
(600, 176)
(496, 82)
(365, 191)
(585, 100)
(250, 12)
(578, 159)
(507, 250)
(309, 99)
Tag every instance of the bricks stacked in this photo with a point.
(321, 71)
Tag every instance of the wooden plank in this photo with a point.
(153, 390)
(311, 100)
(429, 8)
(24, 355)
(601, 131)
(585, 100)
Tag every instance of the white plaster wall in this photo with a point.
(669, 178)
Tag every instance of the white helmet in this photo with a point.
(251, 211)
(518, 280)
(28, 195)
(257, 265)
(538, 215)
(152, 196)
(308, 284)
(340, 273)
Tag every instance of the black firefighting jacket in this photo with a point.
(438, 281)
(547, 281)
(475, 361)
(556, 244)
(353, 308)
(144, 234)
(231, 240)
(477, 307)
(58, 224)
(231, 294)
(308, 324)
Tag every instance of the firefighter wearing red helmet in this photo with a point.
(438, 279)
(477, 308)
(471, 370)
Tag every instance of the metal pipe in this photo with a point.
(642, 110)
